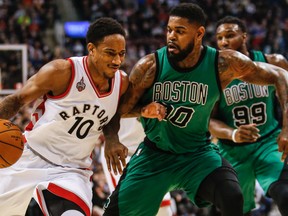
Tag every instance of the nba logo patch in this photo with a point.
(81, 85)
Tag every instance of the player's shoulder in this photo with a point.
(59, 65)
(275, 58)
(147, 59)
(229, 55)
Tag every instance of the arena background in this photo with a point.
(33, 32)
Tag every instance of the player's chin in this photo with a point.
(111, 73)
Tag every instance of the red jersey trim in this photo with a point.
(120, 89)
(70, 84)
(41, 107)
(114, 182)
(40, 202)
(61, 192)
(88, 73)
(165, 203)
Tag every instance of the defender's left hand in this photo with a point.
(154, 110)
(283, 144)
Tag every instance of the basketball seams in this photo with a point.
(11, 145)
(3, 159)
(16, 129)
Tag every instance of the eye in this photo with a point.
(122, 54)
(218, 38)
(110, 53)
(230, 35)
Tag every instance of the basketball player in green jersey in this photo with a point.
(246, 126)
(184, 80)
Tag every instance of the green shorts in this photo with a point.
(258, 161)
(151, 173)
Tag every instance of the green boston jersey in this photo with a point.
(242, 103)
(190, 95)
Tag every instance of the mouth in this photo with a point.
(114, 69)
(172, 47)
(224, 48)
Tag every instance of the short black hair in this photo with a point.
(193, 12)
(232, 20)
(103, 27)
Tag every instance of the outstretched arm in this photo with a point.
(234, 65)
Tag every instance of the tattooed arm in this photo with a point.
(278, 60)
(141, 78)
(234, 65)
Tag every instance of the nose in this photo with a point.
(171, 36)
(117, 60)
(222, 42)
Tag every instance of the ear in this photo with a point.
(90, 47)
(200, 32)
(245, 37)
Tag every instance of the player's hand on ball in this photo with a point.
(154, 110)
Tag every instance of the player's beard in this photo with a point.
(182, 53)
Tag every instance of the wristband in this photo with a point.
(233, 135)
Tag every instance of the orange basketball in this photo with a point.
(11, 143)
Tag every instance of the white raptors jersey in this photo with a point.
(64, 129)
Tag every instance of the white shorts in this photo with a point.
(31, 174)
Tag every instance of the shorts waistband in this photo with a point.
(153, 146)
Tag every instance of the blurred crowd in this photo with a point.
(31, 22)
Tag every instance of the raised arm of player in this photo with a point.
(234, 65)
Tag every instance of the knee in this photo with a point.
(279, 193)
(229, 194)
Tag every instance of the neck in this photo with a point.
(244, 50)
(102, 83)
(193, 58)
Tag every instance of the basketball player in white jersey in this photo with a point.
(74, 99)
(131, 133)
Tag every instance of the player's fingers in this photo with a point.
(114, 166)
(161, 112)
(108, 162)
(117, 167)
(247, 137)
(123, 161)
(249, 134)
(126, 152)
(122, 156)
(283, 157)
